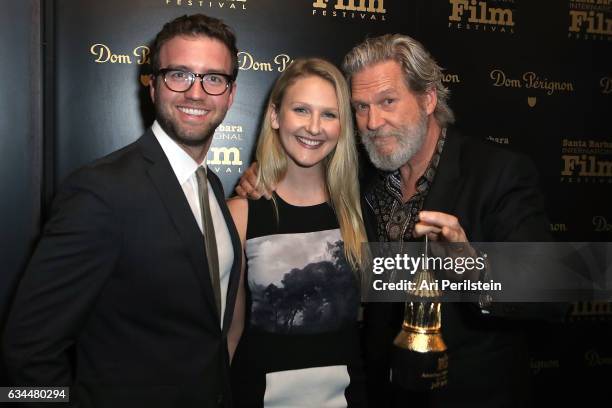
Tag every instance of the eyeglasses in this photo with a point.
(213, 83)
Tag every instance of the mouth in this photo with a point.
(381, 139)
(384, 144)
(192, 111)
(309, 143)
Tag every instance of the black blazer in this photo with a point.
(495, 195)
(117, 301)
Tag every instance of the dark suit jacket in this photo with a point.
(494, 194)
(117, 301)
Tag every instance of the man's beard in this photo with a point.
(178, 135)
(409, 139)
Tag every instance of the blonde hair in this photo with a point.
(340, 165)
(421, 72)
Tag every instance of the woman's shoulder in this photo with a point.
(237, 203)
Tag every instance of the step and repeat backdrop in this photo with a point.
(535, 76)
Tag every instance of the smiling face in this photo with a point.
(307, 121)
(391, 119)
(190, 118)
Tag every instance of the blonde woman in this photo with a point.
(300, 345)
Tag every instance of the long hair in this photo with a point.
(421, 72)
(340, 165)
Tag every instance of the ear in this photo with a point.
(232, 92)
(152, 87)
(274, 117)
(430, 101)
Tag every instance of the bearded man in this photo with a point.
(433, 181)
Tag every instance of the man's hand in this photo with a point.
(445, 228)
(448, 240)
(248, 181)
(439, 226)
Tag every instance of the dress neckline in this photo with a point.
(285, 203)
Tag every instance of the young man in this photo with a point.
(129, 295)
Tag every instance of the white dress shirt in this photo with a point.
(184, 168)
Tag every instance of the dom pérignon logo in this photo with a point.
(534, 82)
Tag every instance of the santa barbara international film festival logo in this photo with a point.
(221, 157)
(531, 83)
(482, 15)
(591, 310)
(586, 161)
(366, 10)
(590, 20)
(207, 4)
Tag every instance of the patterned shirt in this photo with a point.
(395, 219)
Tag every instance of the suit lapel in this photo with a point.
(447, 183)
(162, 176)
(234, 278)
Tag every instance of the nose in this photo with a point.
(196, 92)
(314, 125)
(375, 119)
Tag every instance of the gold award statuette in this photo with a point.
(420, 360)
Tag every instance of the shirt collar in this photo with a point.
(182, 164)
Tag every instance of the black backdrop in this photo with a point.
(533, 75)
(20, 141)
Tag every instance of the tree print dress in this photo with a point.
(300, 347)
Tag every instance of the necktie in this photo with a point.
(209, 236)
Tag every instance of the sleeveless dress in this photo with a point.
(300, 346)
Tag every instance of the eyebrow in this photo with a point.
(208, 71)
(382, 94)
(328, 108)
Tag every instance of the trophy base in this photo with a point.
(416, 371)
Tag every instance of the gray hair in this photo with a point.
(422, 73)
